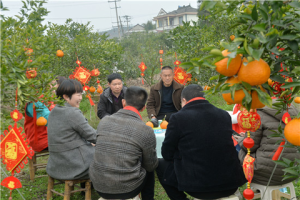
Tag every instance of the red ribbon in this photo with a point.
(91, 101)
(279, 150)
(195, 99)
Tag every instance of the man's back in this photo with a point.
(204, 157)
(125, 149)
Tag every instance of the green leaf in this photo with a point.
(263, 13)
(280, 162)
(287, 161)
(289, 37)
(248, 97)
(264, 97)
(232, 90)
(239, 39)
(254, 14)
(214, 77)
(246, 85)
(297, 25)
(288, 85)
(259, 27)
(296, 90)
(291, 171)
(295, 4)
(257, 53)
(246, 46)
(186, 65)
(294, 46)
(216, 52)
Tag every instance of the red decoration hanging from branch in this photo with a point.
(31, 73)
(161, 52)
(142, 67)
(180, 76)
(14, 150)
(81, 74)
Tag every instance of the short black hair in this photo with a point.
(166, 67)
(60, 79)
(136, 97)
(192, 91)
(114, 76)
(69, 87)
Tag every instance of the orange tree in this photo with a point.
(264, 48)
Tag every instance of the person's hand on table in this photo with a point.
(154, 121)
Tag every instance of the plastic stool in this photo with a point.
(266, 192)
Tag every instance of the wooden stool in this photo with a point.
(69, 188)
(272, 192)
(33, 166)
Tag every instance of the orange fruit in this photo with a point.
(232, 37)
(232, 69)
(256, 103)
(59, 53)
(164, 124)
(292, 132)
(297, 100)
(255, 73)
(238, 95)
(99, 89)
(92, 89)
(206, 87)
(149, 124)
(41, 121)
(270, 82)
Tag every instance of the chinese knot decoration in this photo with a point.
(82, 74)
(177, 62)
(161, 52)
(180, 76)
(14, 150)
(31, 73)
(95, 72)
(249, 121)
(142, 67)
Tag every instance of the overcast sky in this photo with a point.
(99, 12)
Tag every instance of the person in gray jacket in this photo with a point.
(265, 147)
(69, 136)
(125, 155)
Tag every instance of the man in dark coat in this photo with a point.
(111, 98)
(164, 98)
(198, 153)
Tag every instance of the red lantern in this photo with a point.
(98, 81)
(249, 121)
(161, 51)
(177, 62)
(248, 194)
(31, 73)
(16, 115)
(95, 72)
(86, 88)
(160, 60)
(248, 167)
(11, 183)
(29, 61)
(28, 51)
(180, 75)
(142, 67)
(248, 142)
(78, 62)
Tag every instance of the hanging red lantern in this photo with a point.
(142, 67)
(95, 72)
(160, 60)
(86, 88)
(31, 73)
(161, 51)
(249, 121)
(248, 194)
(177, 62)
(28, 51)
(78, 62)
(248, 143)
(29, 61)
(98, 81)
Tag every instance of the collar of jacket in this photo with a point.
(107, 93)
(192, 103)
(133, 109)
(158, 85)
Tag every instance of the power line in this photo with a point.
(117, 16)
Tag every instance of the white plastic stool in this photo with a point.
(266, 192)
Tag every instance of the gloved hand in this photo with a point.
(154, 121)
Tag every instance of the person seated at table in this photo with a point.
(198, 153)
(37, 135)
(69, 136)
(125, 156)
(164, 98)
(265, 147)
(111, 98)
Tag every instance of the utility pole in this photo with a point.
(116, 15)
(121, 26)
(127, 20)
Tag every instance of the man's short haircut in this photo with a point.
(136, 97)
(60, 79)
(166, 67)
(114, 76)
(69, 87)
(192, 91)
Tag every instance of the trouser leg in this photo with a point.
(148, 189)
(173, 192)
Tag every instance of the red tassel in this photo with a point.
(279, 150)
(143, 81)
(91, 101)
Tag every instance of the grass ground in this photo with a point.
(37, 190)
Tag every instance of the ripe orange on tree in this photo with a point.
(92, 89)
(59, 53)
(270, 82)
(232, 37)
(256, 103)
(206, 87)
(292, 132)
(255, 72)
(297, 100)
(148, 123)
(41, 121)
(238, 95)
(233, 67)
